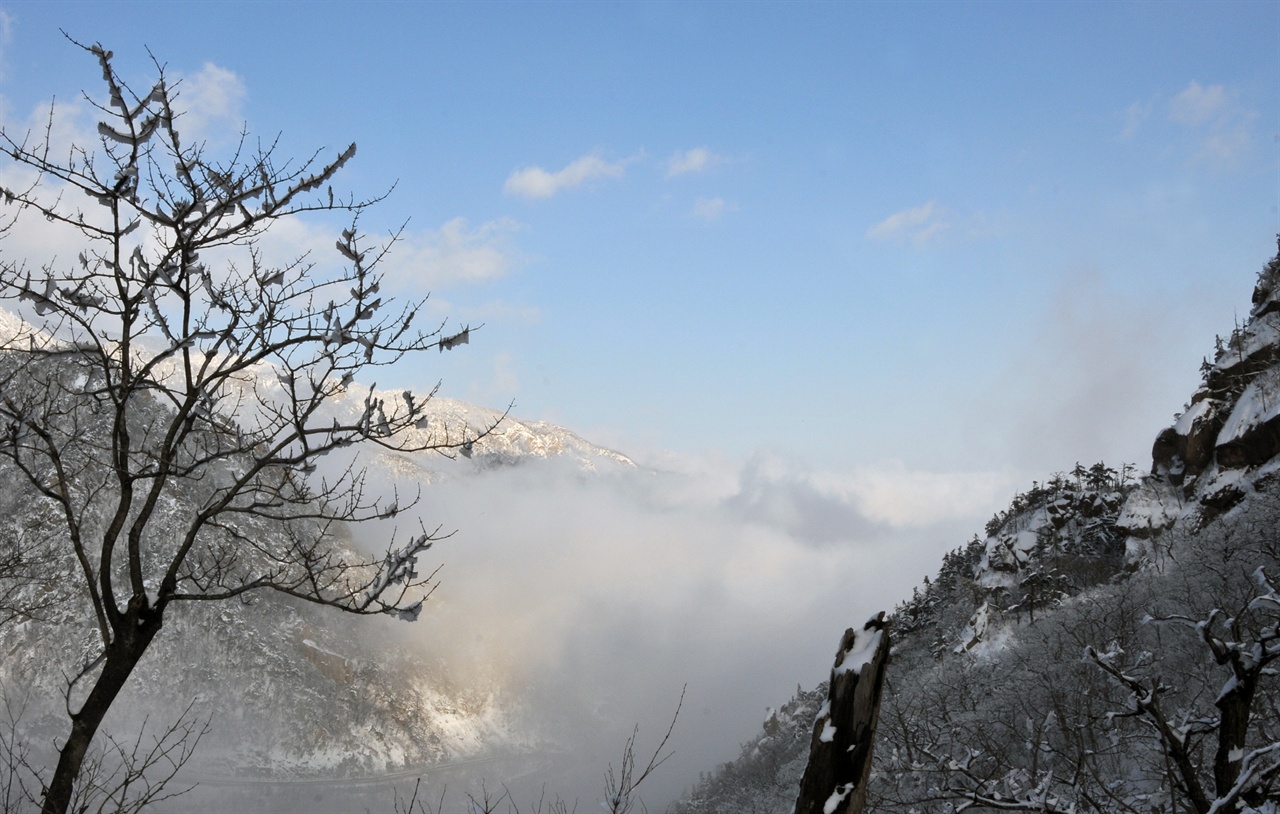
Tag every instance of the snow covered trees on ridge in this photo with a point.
(169, 398)
(1154, 690)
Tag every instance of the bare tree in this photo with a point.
(1245, 766)
(621, 786)
(171, 395)
(127, 777)
(23, 580)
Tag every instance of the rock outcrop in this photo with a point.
(1223, 444)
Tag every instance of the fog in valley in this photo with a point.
(600, 595)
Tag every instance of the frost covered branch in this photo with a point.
(173, 388)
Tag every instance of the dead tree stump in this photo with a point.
(835, 780)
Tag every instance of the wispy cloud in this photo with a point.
(1135, 115)
(711, 208)
(930, 223)
(536, 182)
(919, 224)
(6, 37)
(1091, 402)
(1197, 105)
(687, 161)
(1215, 117)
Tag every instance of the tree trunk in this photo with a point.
(835, 780)
(1235, 706)
(133, 631)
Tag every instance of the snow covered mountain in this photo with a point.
(990, 704)
(295, 693)
(1101, 647)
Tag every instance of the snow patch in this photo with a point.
(837, 797)
(1259, 335)
(860, 652)
(1150, 509)
(1257, 405)
(1186, 421)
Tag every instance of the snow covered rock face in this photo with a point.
(1054, 541)
(1228, 438)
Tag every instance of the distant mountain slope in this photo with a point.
(512, 442)
(295, 691)
(991, 703)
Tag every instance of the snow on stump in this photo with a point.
(835, 780)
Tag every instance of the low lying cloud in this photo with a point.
(604, 593)
(536, 182)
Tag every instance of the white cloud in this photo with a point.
(209, 103)
(1226, 145)
(34, 242)
(535, 182)
(695, 160)
(455, 253)
(711, 208)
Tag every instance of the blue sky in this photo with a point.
(881, 263)
(946, 235)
